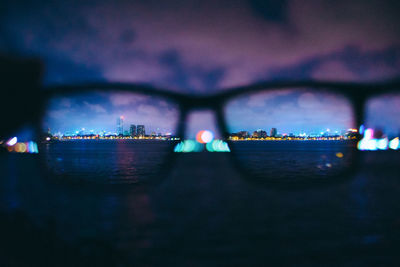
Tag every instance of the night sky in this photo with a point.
(200, 46)
(99, 112)
(291, 111)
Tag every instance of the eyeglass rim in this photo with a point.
(357, 93)
(360, 89)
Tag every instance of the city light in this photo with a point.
(369, 134)
(12, 141)
(204, 137)
(367, 144)
(327, 135)
(24, 147)
(372, 144)
(217, 146)
(130, 131)
(361, 130)
(20, 148)
(382, 144)
(394, 144)
(188, 146)
(339, 155)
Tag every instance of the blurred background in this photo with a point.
(204, 212)
(198, 47)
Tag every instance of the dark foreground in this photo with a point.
(203, 214)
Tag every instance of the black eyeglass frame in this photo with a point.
(356, 93)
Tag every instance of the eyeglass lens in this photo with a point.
(103, 137)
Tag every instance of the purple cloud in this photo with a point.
(383, 112)
(191, 45)
(99, 111)
(94, 107)
(291, 112)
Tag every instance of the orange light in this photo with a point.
(339, 155)
(20, 147)
(198, 137)
(23, 147)
(204, 137)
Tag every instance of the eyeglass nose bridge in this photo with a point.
(191, 105)
(201, 102)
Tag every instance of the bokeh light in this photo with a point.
(204, 136)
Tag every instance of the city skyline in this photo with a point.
(274, 133)
(99, 112)
(290, 111)
(133, 130)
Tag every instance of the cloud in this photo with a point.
(263, 98)
(308, 100)
(334, 71)
(124, 99)
(148, 110)
(57, 113)
(65, 102)
(383, 112)
(192, 45)
(95, 107)
(293, 111)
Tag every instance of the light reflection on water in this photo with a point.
(132, 161)
(107, 161)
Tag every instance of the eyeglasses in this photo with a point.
(287, 133)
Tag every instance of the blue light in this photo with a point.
(188, 146)
(372, 144)
(361, 130)
(218, 146)
(367, 144)
(382, 144)
(394, 144)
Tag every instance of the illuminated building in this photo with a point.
(141, 130)
(120, 125)
(132, 130)
(262, 133)
(274, 132)
(243, 134)
(259, 134)
(82, 132)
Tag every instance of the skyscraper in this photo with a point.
(132, 130)
(274, 132)
(255, 135)
(259, 134)
(243, 134)
(140, 130)
(120, 125)
(262, 133)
